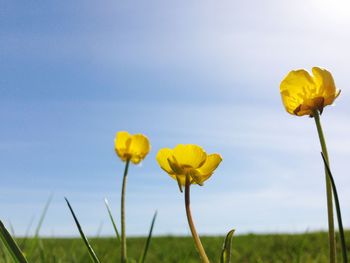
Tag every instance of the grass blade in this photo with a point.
(42, 253)
(148, 242)
(99, 230)
(12, 229)
(43, 215)
(11, 245)
(26, 235)
(337, 205)
(83, 237)
(226, 250)
(112, 219)
(40, 223)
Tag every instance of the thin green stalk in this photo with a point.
(337, 205)
(43, 215)
(92, 253)
(12, 230)
(148, 241)
(36, 238)
(195, 236)
(11, 245)
(112, 219)
(123, 236)
(99, 230)
(331, 234)
(26, 236)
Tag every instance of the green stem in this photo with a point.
(195, 236)
(123, 236)
(337, 205)
(331, 235)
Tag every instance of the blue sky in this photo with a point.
(73, 73)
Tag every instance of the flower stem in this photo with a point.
(331, 235)
(337, 205)
(195, 236)
(123, 236)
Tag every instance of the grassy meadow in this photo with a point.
(281, 248)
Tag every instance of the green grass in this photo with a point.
(304, 248)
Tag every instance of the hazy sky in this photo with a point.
(73, 73)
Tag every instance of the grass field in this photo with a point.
(246, 249)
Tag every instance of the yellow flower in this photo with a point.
(131, 147)
(302, 94)
(188, 160)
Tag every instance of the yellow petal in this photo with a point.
(297, 86)
(167, 162)
(122, 143)
(139, 148)
(195, 177)
(180, 162)
(162, 157)
(207, 169)
(189, 155)
(121, 139)
(302, 93)
(325, 82)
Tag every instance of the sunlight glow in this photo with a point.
(336, 10)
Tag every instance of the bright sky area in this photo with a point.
(73, 73)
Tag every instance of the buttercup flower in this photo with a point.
(189, 164)
(188, 160)
(303, 94)
(131, 147)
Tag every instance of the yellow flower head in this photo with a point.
(131, 147)
(188, 161)
(302, 94)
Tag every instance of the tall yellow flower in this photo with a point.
(303, 94)
(131, 147)
(189, 164)
(188, 160)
